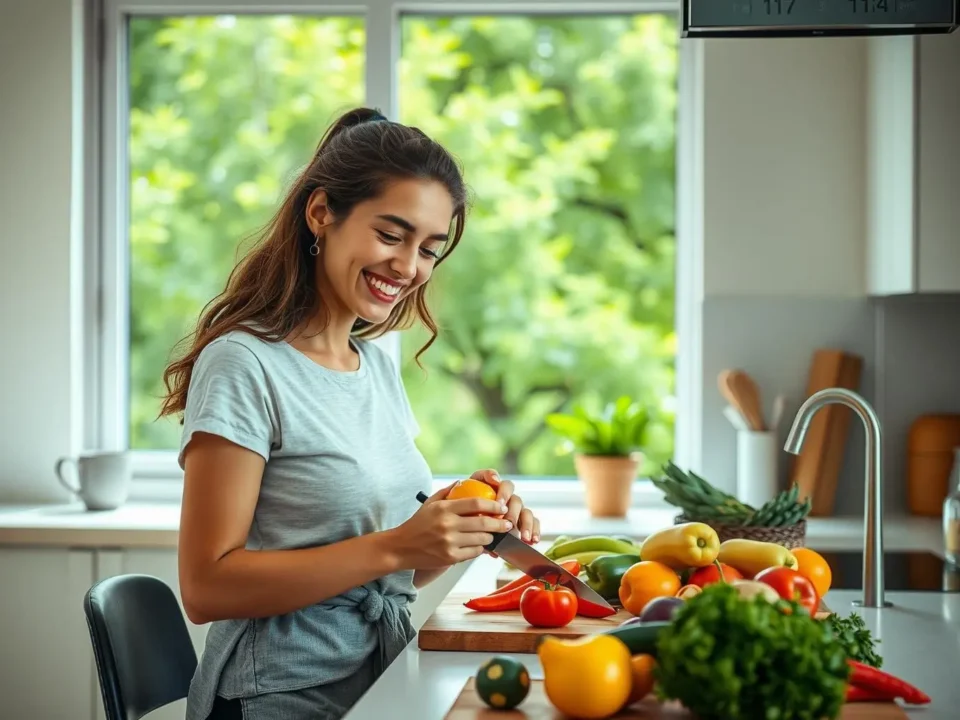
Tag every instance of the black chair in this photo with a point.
(144, 655)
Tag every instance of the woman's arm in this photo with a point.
(219, 578)
(422, 578)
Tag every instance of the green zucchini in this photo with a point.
(640, 638)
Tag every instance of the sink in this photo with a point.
(902, 570)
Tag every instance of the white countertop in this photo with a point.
(156, 525)
(919, 641)
(925, 625)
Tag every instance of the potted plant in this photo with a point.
(606, 451)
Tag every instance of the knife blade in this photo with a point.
(534, 563)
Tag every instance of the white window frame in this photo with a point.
(105, 316)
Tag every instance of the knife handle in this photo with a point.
(497, 537)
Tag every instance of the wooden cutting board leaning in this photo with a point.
(536, 706)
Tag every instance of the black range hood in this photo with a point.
(817, 18)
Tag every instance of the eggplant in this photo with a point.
(661, 609)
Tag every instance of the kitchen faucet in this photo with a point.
(873, 486)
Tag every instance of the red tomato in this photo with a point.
(791, 585)
(709, 574)
(551, 606)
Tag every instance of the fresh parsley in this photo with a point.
(854, 635)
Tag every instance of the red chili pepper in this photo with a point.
(879, 681)
(592, 610)
(508, 597)
(855, 693)
(525, 581)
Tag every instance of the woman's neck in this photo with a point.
(327, 344)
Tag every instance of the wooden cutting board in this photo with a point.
(453, 627)
(535, 706)
(817, 468)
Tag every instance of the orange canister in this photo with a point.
(930, 445)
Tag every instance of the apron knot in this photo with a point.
(372, 606)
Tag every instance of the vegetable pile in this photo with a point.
(723, 656)
(726, 629)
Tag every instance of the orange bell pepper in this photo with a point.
(645, 581)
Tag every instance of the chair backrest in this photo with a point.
(145, 658)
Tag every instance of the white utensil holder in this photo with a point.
(757, 455)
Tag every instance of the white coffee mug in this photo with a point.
(102, 478)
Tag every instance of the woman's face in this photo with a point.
(386, 247)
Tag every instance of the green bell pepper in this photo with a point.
(604, 574)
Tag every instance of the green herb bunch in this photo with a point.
(854, 635)
(701, 501)
(724, 656)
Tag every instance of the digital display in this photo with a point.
(717, 18)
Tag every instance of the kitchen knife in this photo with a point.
(534, 563)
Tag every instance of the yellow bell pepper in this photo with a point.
(752, 556)
(682, 546)
(588, 677)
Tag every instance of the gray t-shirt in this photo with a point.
(340, 462)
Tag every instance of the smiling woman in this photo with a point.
(301, 537)
(389, 259)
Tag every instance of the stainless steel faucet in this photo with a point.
(873, 485)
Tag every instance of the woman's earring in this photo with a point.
(315, 248)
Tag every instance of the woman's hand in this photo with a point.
(521, 517)
(444, 532)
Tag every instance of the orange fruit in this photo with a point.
(471, 488)
(645, 581)
(641, 667)
(814, 568)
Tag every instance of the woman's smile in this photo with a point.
(383, 289)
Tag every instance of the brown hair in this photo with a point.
(273, 290)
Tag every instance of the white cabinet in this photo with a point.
(47, 663)
(45, 652)
(913, 165)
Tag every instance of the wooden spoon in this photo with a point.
(740, 390)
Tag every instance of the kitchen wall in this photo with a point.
(40, 262)
(917, 371)
(782, 270)
(783, 244)
(784, 247)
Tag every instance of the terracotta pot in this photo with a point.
(607, 482)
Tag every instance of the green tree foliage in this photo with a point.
(563, 287)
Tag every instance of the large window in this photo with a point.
(222, 111)
(563, 288)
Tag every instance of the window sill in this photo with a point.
(154, 525)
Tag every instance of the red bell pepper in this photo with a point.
(791, 585)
